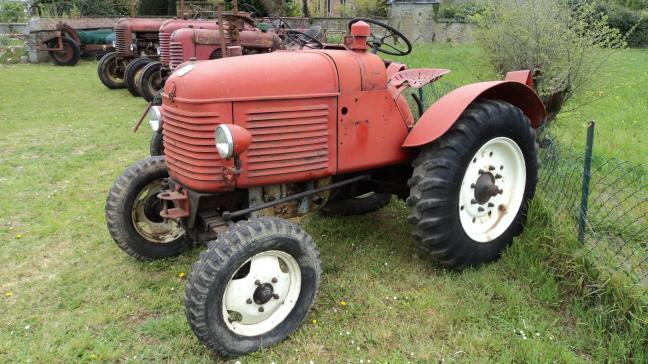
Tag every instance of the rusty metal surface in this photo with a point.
(443, 114)
(126, 27)
(168, 27)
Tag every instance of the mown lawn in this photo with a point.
(70, 295)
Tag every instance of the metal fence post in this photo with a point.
(587, 168)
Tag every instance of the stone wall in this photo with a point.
(13, 28)
(417, 22)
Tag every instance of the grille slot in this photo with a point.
(287, 140)
(175, 55)
(120, 42)
(189, 147)
(164, 48)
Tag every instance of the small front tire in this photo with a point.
(69, 55)
(253, 286)
(132, 75)
(109, 71)
(156, 146)
(150, 80)
(133, 214)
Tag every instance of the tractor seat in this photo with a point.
(415, 78)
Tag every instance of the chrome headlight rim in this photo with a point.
(155, 117)
(224, 141)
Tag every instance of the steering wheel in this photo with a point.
(279, 23)
(303, 38)
(389, 39)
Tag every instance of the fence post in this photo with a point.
(587, 168)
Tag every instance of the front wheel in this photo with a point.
(69, 55)
(109, 71)
(151, 80)
(133, 214)
(470, 189)
(133, 74)
(156, 146)
(253, 286)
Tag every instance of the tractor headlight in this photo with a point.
(224, 142)
(155, 117)
(232, 140)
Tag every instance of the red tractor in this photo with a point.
(252, 141)
(183, 40)
(135, 39)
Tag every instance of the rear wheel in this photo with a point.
(133, 73)
(110, 72)
(69, 55)
(470, 190)
(133, 213)
(253, 286)
(150, 80)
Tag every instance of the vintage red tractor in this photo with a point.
(182, 41)
(135, 38)
(251, 141)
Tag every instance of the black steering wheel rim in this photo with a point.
(290, 34)
(377, 44)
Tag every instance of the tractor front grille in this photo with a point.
(120, 42)
(164, 48)
(175, 55)
(189, 148)
(287, 140)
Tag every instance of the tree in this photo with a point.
(564, 46)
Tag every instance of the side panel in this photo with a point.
(292, 140)
(371, 131)
(440, 117)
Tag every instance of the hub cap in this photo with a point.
(262, 293)
(147, 220)
(492, 189)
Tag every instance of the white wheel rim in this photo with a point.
(501, 161)
(243, 312)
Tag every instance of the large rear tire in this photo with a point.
(253, 286)
(69, 55)
(110, 72)
(132, 74)
(133, 214)
(470, 189)
(150, 80)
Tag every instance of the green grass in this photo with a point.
(70, 295)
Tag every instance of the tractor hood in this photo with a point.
(277, 75)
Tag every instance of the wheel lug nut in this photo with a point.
(498, 176)
(257, 282)
(473, 202)
(490, 204)
(472, 185)
(480, 209)
(275, 296)
(481, 172)
(500, 191)
(491, 168)
(249, 301)
(261, 309)
(274, 280)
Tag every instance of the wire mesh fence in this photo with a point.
(607, 200)
(604, 198)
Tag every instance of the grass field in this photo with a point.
(70, 295)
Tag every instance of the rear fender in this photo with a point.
(440, 117)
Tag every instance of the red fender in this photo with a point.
(440, 117)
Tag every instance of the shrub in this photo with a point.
(12, 12)
(365, 8)
(632, 24)
(563, 46)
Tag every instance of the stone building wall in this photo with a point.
(417, 22)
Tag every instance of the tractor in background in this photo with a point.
(250, 142)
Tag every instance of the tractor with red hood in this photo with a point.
(253, 141)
